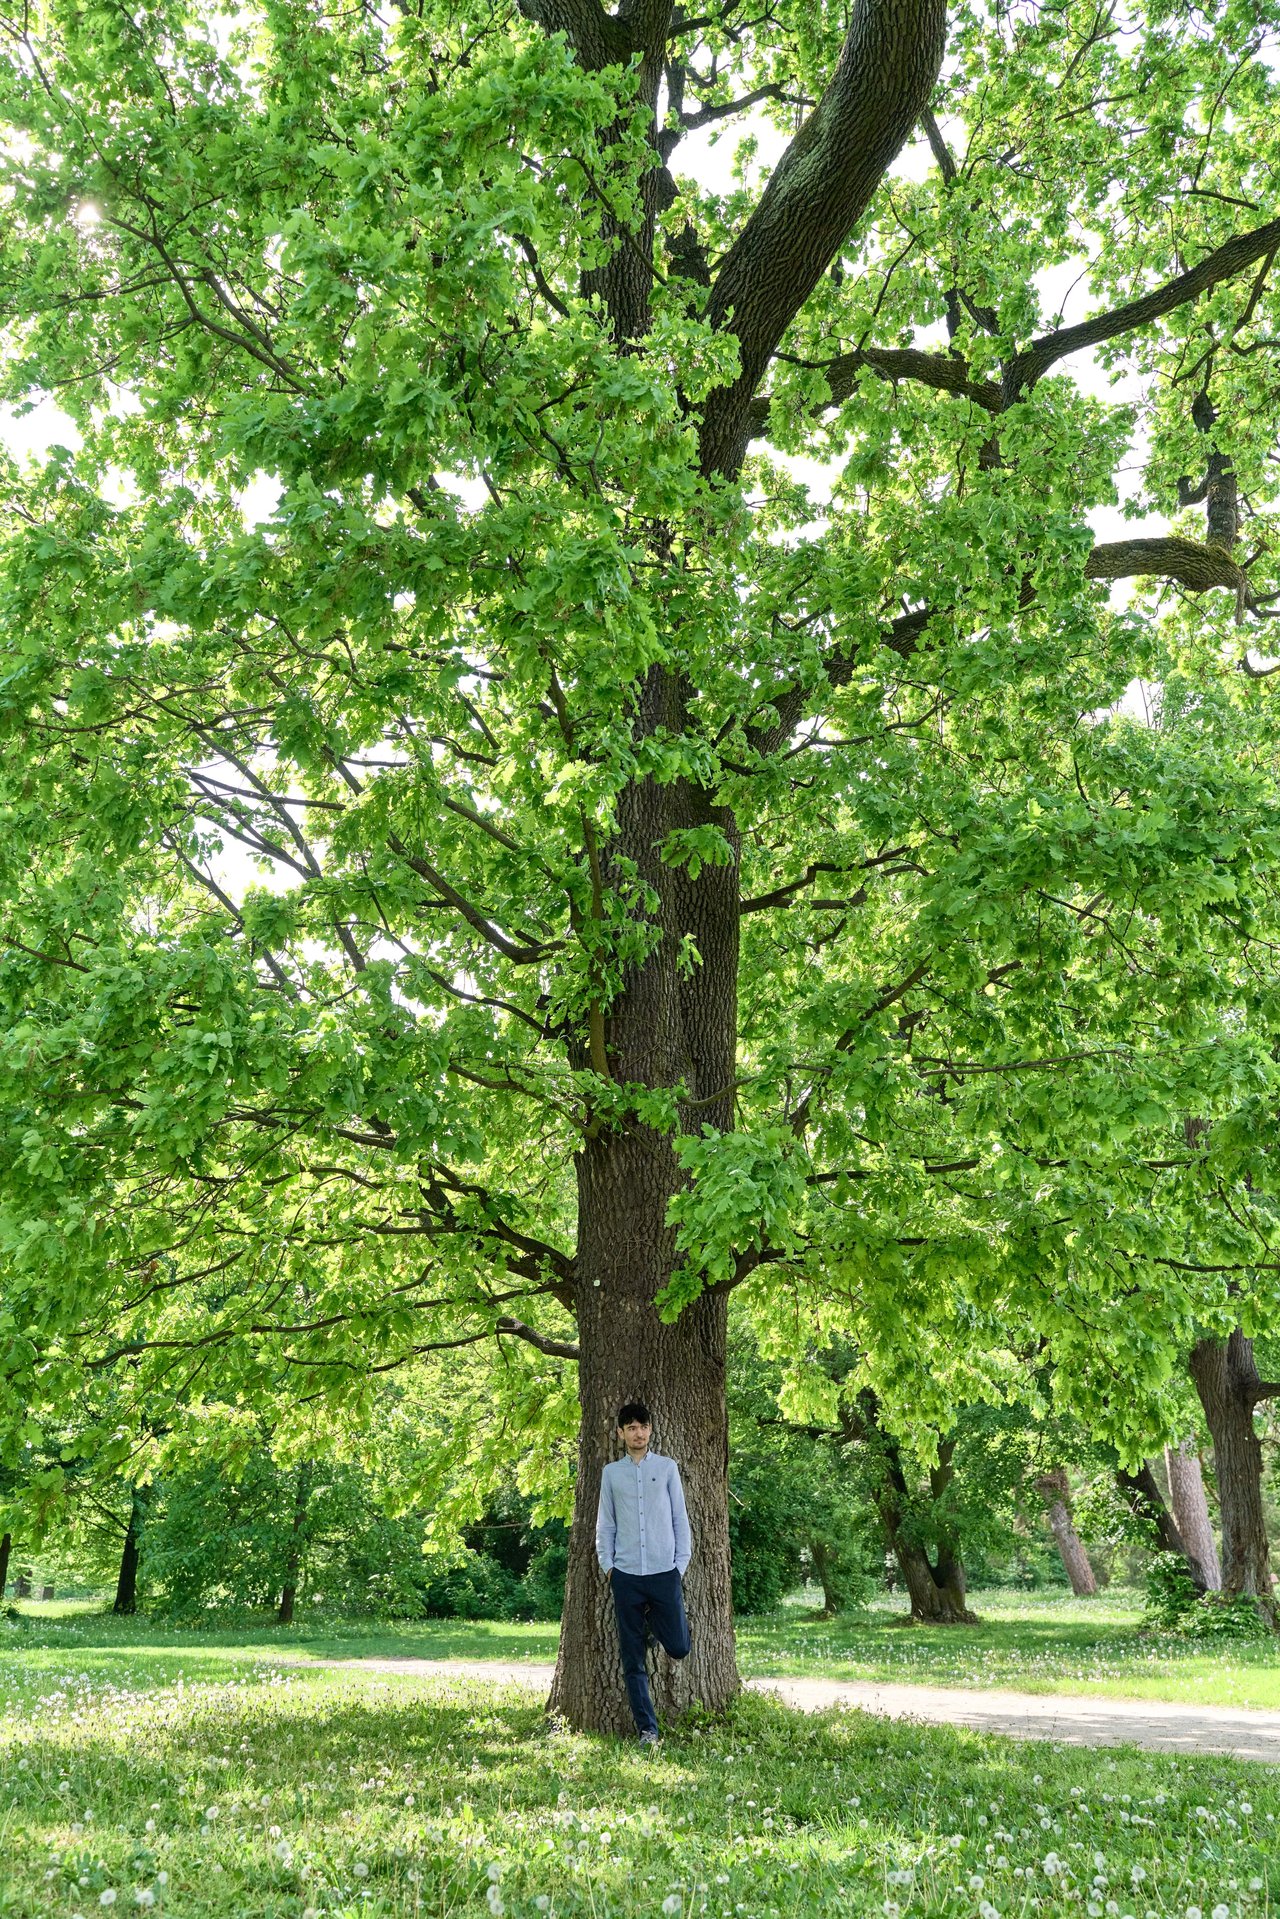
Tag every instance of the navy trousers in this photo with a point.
(647, 1603)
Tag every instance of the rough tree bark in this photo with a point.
(1055, 1490)
(293, 1556)
(6, 1547)
(126, 1599)
(1191, 1511)
(670, 1027)
(1227, 1381)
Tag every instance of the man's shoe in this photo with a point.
(650, 1739)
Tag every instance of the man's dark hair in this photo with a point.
(634, 1409)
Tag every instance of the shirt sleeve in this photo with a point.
(679, 1521)
(606, 1525)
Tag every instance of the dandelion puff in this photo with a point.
(107, 1898)
(144, 1896)
(672, 1903)
(1222, 1912)
(360, 1870)
(494, 1871)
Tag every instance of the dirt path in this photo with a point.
(1159, 1725)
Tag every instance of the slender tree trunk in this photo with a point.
(126, 1600)
(1056, 1491)
(1191, 1510)
(1226, 1378)
(824, 1567)
(670, 1026)
(293, 1557)
(1145, 1497)
(6, 1547)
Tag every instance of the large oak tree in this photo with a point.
(667, 884)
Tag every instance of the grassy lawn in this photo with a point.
(247, 1790)
(1028, 1643)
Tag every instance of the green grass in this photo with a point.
(254, 1791)
(1046, 1643)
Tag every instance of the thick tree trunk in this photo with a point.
(1055, 1490)
(936, 1588)
(1191, 1510)
(293, 1556)
(126, 1600)
(670, 1026)
(1226, 1379)
(6, 1547)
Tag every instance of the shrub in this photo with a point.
(1176, 1605)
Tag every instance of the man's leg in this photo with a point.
(667, 1615)
(631, 1602)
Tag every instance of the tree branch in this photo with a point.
(557, 1348)
(598, 39)
(946, 372)
(886, 71)
(1194, 566)
(1222, 264)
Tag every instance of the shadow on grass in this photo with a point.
(336, 1793)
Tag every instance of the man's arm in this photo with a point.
(606, 1525)
(679, 1521)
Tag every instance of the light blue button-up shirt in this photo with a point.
(642, 1525)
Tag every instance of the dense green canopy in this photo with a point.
(321, 893)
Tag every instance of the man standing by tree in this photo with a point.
(642, 1542)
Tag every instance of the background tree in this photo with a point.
(659, 892)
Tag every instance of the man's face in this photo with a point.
(635, 1435)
